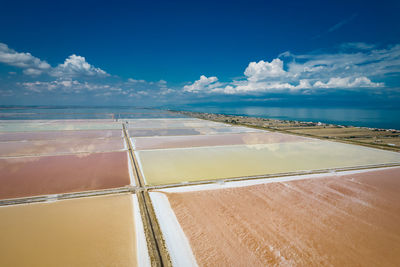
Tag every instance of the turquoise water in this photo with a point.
(367, 117)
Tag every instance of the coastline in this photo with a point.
(387, 139)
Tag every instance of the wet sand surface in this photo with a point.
(51, 135)
(31, 176)
(92, 231)
(43, 147)
(161, 142)
(351, 220)
(164, 166)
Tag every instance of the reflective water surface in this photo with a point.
(251, 138)
(31, 176)
(166, 166)
(44, 147)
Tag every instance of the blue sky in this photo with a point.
(186, 52)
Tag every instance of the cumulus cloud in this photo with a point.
(261, 70)
(354, 66)
(31, 65)
(75, 66)
(347, 82)
(203, 84)
(76, 76)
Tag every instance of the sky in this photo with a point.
(171, 53)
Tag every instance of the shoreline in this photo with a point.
(387, 139)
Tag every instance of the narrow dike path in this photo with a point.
(158, 252)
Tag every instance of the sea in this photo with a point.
(384, 118)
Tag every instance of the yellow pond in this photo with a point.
(167, 166)
(93, 231)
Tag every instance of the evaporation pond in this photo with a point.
(50, 135)
(21, 127)
(330, 220)
(30, 176)
(189, 131)
(149, 124)
(162, 142)
(43, 147)
(90, 231)
(164, 166)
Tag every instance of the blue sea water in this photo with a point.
(386, 118)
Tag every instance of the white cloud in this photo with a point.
(155, 90)
(243, 87)
(203, 84)
(263, 69)
(32, 71)
(67, 86)
(364, 62)
(31, 65)
(75, 66)
(348, 70)
(357, 45)
(131, 80)
(143, 88)
(347, 82)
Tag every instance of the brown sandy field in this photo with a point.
(30, 176)
(351, 220)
